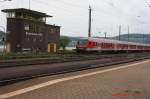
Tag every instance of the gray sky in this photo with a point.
(72, 15)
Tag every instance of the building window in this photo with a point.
(26, 27)
(31, 27)
(11, 15)
(51, 30)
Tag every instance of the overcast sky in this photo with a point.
(72, 15)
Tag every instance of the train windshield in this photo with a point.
(82, 42)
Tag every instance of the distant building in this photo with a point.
(28, 31)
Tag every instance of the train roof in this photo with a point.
(113, 41)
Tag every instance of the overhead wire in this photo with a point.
(62, 8)
(147, 3)
(70, 4)
(66, 11)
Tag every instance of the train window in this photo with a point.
(103, 44)
(96, 44)
(99, 44)
(82, 42)
(90, 43)
(93, 43)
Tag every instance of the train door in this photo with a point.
(52, 48)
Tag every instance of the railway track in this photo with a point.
(13, 74)
(61, 59)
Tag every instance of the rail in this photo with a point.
(18, 73)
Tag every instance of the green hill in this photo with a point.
(141, 38)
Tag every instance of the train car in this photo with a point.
(96, 44)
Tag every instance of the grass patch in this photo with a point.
(10, 56)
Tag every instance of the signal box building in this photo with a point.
(28, 31)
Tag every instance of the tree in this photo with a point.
(64, 41)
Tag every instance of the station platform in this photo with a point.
(127, 81)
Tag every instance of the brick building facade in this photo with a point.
(28, 31)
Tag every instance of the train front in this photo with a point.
(82, 45)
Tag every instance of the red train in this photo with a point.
(96, 44)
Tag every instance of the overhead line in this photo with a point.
(72, 5)
(147, 3)
(60, 7)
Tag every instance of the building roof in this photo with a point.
(41, 14)
(50, 25)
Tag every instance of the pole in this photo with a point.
(119, 32)
(143, 38)
(105, 35)
(89, 31)
(128, 33)
(29, 4)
